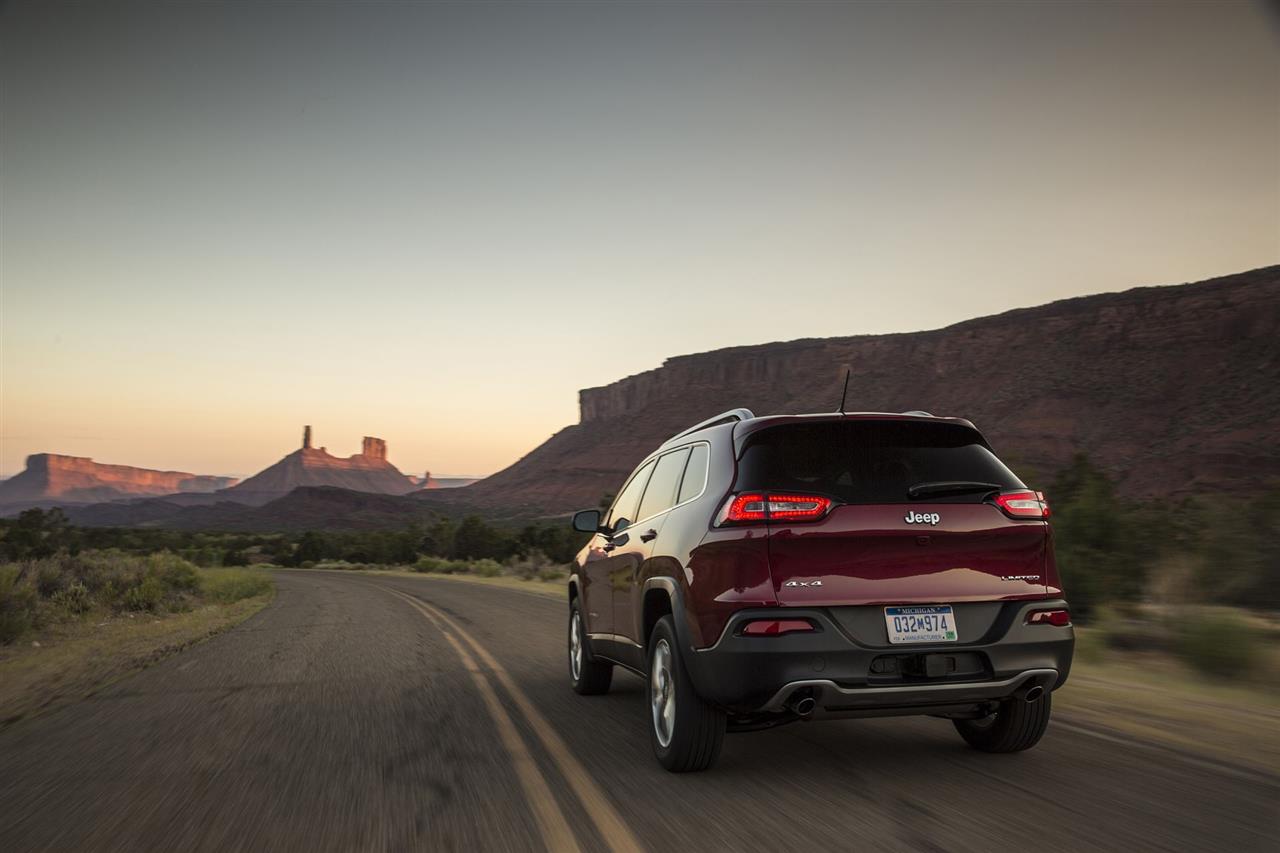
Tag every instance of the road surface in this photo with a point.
(379, 713)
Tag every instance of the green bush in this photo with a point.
(486, 568)
(17, 604)
(1221, 645)
(230, 585)
(145, 596)
(429, 564)
(173, 573)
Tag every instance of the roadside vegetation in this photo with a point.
(36, 594)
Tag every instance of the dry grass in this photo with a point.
(1156, 698)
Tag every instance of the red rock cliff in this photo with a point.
(1175, 390)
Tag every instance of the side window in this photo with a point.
(695, 473)
(661, 493)
(624, 508)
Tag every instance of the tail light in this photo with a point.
(1057, 618)
(1023, 504)
(761, 506)
(775, 627)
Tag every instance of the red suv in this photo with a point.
(759, 571)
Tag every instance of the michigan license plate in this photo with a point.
(933, 623)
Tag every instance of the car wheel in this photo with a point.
(1016, 725)
(686, 731)
(588, 676)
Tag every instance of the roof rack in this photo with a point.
(723, 418)
(918, 412)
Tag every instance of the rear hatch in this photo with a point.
(901, 511)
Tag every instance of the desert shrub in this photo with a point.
(147, 595)
(429, 564)
(456, 567)
(529, 565)
(174, 573)
(486, 568)
(73, 599)
(1219, 644)
(230, 585)
(17, 604)
(50, 577)
(552, 573)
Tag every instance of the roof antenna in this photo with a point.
(845, 392)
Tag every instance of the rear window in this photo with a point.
(864, 462)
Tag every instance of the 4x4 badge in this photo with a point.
(931, 518)
(803, 583)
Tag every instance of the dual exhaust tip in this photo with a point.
(802, 703)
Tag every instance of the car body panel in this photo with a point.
(872, 555)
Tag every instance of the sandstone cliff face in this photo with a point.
(77, 479)
(1175, 390)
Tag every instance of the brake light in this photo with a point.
(774, 627)
(1023, 504)
(759, 506)
(1057, 618)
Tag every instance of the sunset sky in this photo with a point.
(435, 223)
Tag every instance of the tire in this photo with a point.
(588, 676)
(1016, 725)
(686, 731)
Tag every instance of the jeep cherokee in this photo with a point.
(763, 570)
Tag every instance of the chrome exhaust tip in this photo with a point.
(1033, 693)
(802, 704)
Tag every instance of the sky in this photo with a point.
(435, 223)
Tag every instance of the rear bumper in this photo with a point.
(865, 675)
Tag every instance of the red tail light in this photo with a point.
(1057, 618)
(774, 627)
(1023, 504)
(759, 506)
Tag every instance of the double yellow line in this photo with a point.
(555, 830)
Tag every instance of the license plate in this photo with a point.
(933, 623)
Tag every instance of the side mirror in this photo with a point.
(587, 521)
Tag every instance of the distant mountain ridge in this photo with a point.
(1175, 390)
(119, 494)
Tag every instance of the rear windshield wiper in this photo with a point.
(950, 487)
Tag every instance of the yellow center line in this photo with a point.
(613, 829)
(556, 834)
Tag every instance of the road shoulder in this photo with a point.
(74, 660)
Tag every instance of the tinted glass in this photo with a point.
(870, 461)
(624, 508)
(695, 474)
(661, 493)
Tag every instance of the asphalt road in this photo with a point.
(378, 713)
